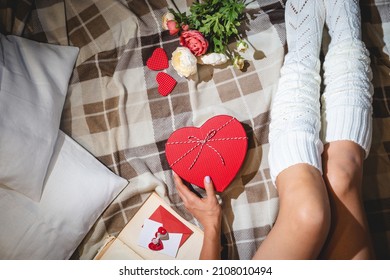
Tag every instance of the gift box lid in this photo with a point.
(216, 149)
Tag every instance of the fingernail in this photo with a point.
(207, 179)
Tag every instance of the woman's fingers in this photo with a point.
(182, 189)
(209, 186)
(188, 196)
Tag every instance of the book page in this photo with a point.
(117, 250)
(191, 247)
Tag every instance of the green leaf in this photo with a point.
(217, 20)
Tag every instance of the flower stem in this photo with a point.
(174, 4)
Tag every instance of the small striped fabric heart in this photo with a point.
(158, 61)
(165, 83)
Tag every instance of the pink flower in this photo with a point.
(185, 27)
(195, 41)
(167, 16)
(173, 27)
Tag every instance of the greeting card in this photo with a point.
(151, 239)
(171, 223)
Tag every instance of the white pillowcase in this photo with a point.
(77, 190)
(34, 80)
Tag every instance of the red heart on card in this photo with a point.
(165, 83)
(158, 60)
(216, 149)
(156, 245)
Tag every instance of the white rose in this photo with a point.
(184, 62)
(213, 59)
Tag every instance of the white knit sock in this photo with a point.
(343, 20)
(295, 112)
(346, 102)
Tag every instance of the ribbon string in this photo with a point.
(202, 143)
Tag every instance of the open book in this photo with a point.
(155, 232)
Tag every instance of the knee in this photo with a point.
(313, 218)
(344, 175)
(304, 200)
(342, 181)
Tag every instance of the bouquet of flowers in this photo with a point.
(204, 34)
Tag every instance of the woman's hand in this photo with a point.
(207, 211)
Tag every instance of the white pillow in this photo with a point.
(77, 190)
(34, 80)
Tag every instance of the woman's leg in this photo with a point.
(346, 129)
(295, 148)
(349, 236)
(303, 221)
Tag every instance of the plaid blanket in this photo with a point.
(376, 191)
(114, 110)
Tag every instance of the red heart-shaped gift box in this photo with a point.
(216, 149)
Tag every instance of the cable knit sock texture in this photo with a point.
(295, 113)
(346, 102)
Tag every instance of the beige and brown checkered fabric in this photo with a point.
(113, 108)
(376, 184)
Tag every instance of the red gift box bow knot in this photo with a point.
(205, 142)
